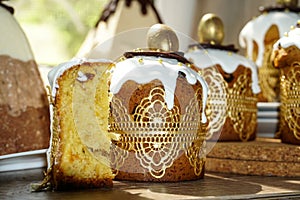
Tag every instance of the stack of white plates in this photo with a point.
(23, 160)
(267, 119)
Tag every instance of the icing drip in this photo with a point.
(291, 39)
(255, 30)
(143, 69)
(227, 60)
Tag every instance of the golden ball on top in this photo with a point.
(162, 37)
(211, 29)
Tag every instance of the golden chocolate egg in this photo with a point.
(211, 29)
(162, 37)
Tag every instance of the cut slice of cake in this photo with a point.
(79, 152)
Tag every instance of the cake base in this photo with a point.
(180, 170)
(264, 157)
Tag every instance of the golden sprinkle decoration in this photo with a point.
(230, 53)
(212, 42)
(141, 60)
(122, 59)
(292, 27)
(286, 34)
(180, 63)
(160, 61)
(188, 65)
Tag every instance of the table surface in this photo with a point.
(16, 185)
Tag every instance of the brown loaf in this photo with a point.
(24, 109)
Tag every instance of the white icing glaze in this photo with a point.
(291, 39)
(56, 72)
(227, 60)
(255, 30)
(13, 41)
(143, 69)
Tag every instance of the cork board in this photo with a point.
(264, 157)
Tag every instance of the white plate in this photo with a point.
(268, 114)
(268, 106)
(267, 127)
(267, 119)
(23, 160)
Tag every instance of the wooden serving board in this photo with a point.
(264, 156)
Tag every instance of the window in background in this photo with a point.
(56, 28)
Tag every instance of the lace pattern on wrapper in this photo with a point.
(158, 136)
(238, 103)
(290, 101)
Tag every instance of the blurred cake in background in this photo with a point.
(117, 17)
(286, 57)
(258, 37)
(232, 80)
(24, 109)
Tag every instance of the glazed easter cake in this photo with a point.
(160, 118)
(158, 108)
(233, 84)
(258, 37)
(286, 57)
